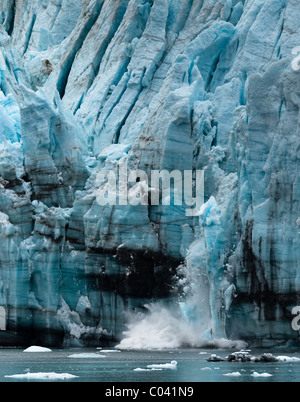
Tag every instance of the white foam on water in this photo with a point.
(288, 359)
(110, 351)
(163, 329)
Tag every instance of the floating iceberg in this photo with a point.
(236, 374)
(37, 349)
(264, 375)
(244, 356)
(172, 366)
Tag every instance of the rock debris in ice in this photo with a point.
(236, 374)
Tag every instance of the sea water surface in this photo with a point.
(114, 367)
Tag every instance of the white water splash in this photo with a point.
(187, 322)
(163, 328)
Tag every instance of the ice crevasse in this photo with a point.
(88, 85)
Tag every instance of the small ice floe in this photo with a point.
(170, 366)
(37, 349)
(264, 375)
(237, 374)
(206, 369)
(42, 376)
(242, 356)
(288, 359)
(203, 353)
(144, 370)
(216, 359)
(86, 356)
(265, 358)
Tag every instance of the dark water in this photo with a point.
(119, 367)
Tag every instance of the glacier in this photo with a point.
(87, 86)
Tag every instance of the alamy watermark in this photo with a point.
(161, 187)
(296, 320)
(296, 310)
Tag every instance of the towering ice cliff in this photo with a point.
(89, 86)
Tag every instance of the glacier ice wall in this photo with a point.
(88, 85)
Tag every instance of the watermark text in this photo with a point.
(160, 187)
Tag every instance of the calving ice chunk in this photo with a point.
(122, 392)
